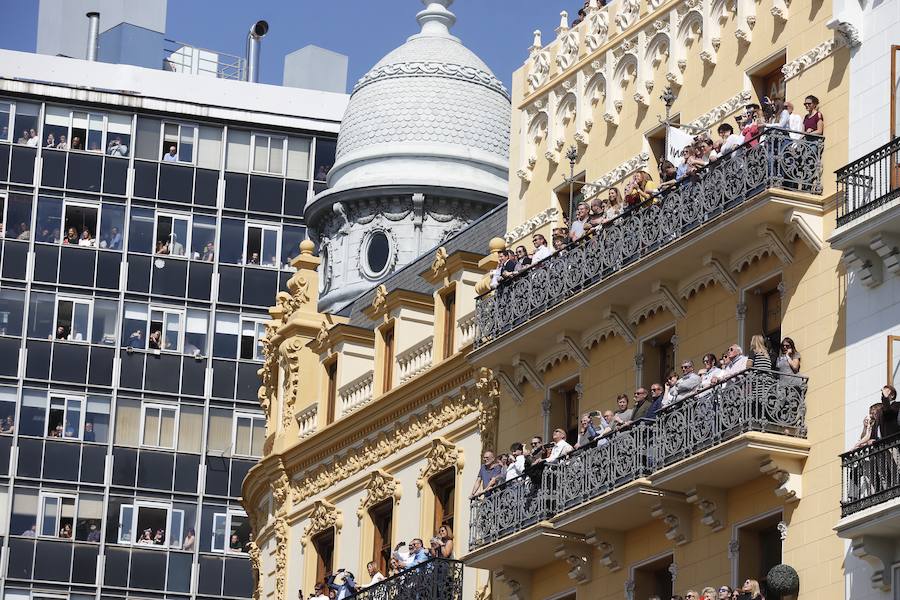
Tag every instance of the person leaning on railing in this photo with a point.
(890, 412)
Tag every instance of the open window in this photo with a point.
(26, 124)
(195, 329)
(150, 524)
(249, 434)
(73, 319)
(57, 515)
(382, 515)
(653, 577)
(159, 424)
(252, 332)
(444, 487)
(760, 547)
(178, 143)
(231, 532)
(164, 331)
(5, 114)
(80, 224)
(87, 131)
(262, 245)
(172, 234)
(268, 153)
(324, 546)
(65, 416)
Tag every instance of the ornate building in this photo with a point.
(375, 422)
(422, 152)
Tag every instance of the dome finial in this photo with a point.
(436, 19)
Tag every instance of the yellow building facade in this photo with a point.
(723, 485)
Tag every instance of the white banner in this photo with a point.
(676, 140)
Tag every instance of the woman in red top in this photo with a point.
(813, 122)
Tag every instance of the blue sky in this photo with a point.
(499, 31)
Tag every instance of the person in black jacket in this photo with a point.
(890, 409)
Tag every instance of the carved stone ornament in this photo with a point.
(290, 363)
(255, 562)
(568, 49)
(539, 70)
(281, 546)
(324, 516)
(322, 336)
(440, 261)
(730, 106)
(281, 490)
(548, 215)
(636, 163)
(487, 395)
(380, 298)
(436, 69)
(442, 455)
(812, 57)
(380, 487)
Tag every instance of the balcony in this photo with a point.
(729, 434)
(747, 195)
(436, 579)
(868, 231)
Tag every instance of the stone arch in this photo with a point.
(565, 109)
(659, 47)
(595, 89)
(690, 28)
(626, 69)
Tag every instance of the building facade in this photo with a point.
(156, 216)
(725, 483)
(376, 423)
(866, 235)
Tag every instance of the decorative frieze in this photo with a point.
(812, 57)
(441, 456)
(636, 163)
(381, 486)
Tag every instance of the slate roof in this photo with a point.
(474, 238)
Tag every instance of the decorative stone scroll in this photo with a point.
(324, 516)
(442, 455)
(380, 487)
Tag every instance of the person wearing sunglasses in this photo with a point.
(813, 122)
(788, 362)
(724, 593)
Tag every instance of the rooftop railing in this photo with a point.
(754, 400)
(185, 58)
(777, 159)
(871, 475)
(869, 182)
(435, 579)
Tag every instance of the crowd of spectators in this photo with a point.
(29, 137)
(591, 215)
(750, 590)
(342, 583)
(598, 426)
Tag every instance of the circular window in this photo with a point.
(378, 251)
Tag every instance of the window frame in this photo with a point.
(253, 417)
(135, 508)
(42, 497)
(75, 300)
(66, 397)
(166, 311)
(162, 142)
(159, 406)
(258, 323)
(80, 203)
(10, 124)
(174, 215)
(263, 227)
(89, 115)
(284, 145)
(228, 515)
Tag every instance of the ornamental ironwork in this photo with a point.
(869, 182)
(777, 159)
(754, 400)
(434, 579)
(871, 475)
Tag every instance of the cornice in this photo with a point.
(342, 332)
(445, 266)
(384, 303)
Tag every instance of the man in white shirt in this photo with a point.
(738, 362)
(171, 155)
(321, 592)
(794, 121)
(560, 446)
(517, 466)
(730, 140)
(688, 383)
(541, 250)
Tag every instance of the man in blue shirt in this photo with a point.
(417, 554)
(490, 469)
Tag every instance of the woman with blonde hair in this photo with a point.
(751, 586)
(445, 532)
(758, 357)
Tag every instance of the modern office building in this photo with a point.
(868, 236)
(149, 219)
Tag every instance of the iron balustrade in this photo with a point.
(868, 182)
(776, 159)
(754, 400)
(871, 475)
(434, 579)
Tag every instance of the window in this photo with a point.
(12, 311)
(249, 434)
(382, 516)
(104, 322)
(164, 329)
(80, 224)
(760, 549)
(268, 153)
(220, 432)
(203, 238)
(449, 323)
(252, 333)
(150, 524)
(178, 142)
(231, 241)
(376, 254)
(57, 517)
(118, 137)
(237, 157)
(87, 132)
(290, 246)
(225, 340)
(195, 332)
(65, 416)
(388, 358)
(237, 527)
(112, 226)
(147, 143)
(262, 245)
(324, 545)
(444, 487)
(18, 217)
(171, 234)
(653, 578)
(325, 151)
(7, 410)
(90, 518)
(5, 113)
(73, 318)
(298, 158)
(26, 124)
(331, 371)
(209, 147)
(159, 423)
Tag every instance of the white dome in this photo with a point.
(429, 113)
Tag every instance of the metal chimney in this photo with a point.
(93, 35)
(259, 29)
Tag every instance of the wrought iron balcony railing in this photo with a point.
(755, 400)
(435, 579)
(871, 475)
(868, 182)
(774, 160)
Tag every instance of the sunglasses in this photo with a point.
(685, 367)
(807, 104)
